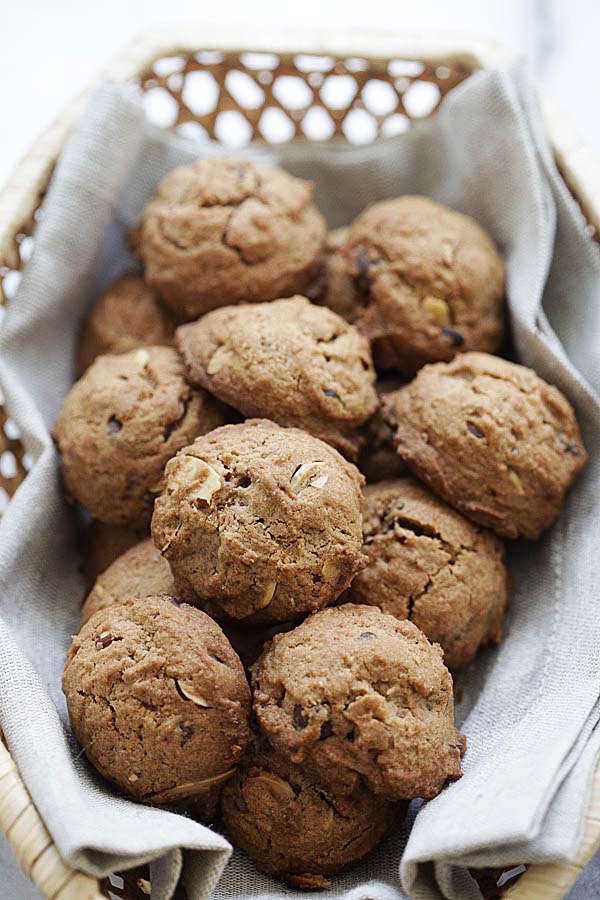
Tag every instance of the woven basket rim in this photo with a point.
(580, 169)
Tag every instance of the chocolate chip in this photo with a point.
(170, 599)
(318, 286)
(362, 280)
(326, 730)
(104, 640)
(329, 393)
(366, 635)
(300, 721)
(114, 426)
(456, 338)
(567, 445)
(244, 482)
(186, 732)
(475, 431)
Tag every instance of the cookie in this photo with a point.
(139, 572)
(158, 699)
(249, 643)
(294, 827)
(129, 315)
(290, 361)
(339, 291)
(262, 521)
(120, 424)
(220, 230)
(353, 694)
(429, 564)
(493, 439)
(377, 458)
(431, 280)
(101, 544)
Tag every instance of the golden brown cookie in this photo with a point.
(127, 316)
(353, 694)
(262, 521)
(431, 280)
(157, 699)
(339, 291)
(120, 424)
(291, 825)
(139, 572)
(493, 439)
(289, 361)
(223, 230)
(101, 544)
(378, 458)
(430, 565)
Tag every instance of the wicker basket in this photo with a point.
(310, 87)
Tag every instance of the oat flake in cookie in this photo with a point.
(431, 279)
(429, 564)
(355, 695)
(220, 231)
(296, 828)
(493, 439)
(119, 425)
(158, 699)
(127, 316)
(261, 521)
(289, 361)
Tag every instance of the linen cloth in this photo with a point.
(530, 709)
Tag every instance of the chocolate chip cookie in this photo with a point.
(339, 291)
(289, 361)
(139, 572)
(119, 425)
(261, 521)
(431, 280)
(493, 439)
(353, 694)
(127, 316)
(220, 230)
(430, 565)
(297, 829)
(157, 699)
(377, 458)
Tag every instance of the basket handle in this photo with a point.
(32, 844)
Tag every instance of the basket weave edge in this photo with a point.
(20, 197)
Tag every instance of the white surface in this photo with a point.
(50, 50)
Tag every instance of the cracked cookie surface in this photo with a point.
(289, 361)
(120, 423)
(354, 694)
(493, 439)
(158, 699)
(127, 316)
(429, 564)
(431, 280)
(261, 521)
(220, 231)
(139, 572)
(292, 825)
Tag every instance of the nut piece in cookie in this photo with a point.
(289, 361)
(261, 521)
(292, 825)
(139, 572)
(430, 565)
(119, 425)
(493, 439)
(353, 694)
(431, 280)
(219, 231)
(127, 316)
(158, 699)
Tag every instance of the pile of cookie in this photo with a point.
(269, 639)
